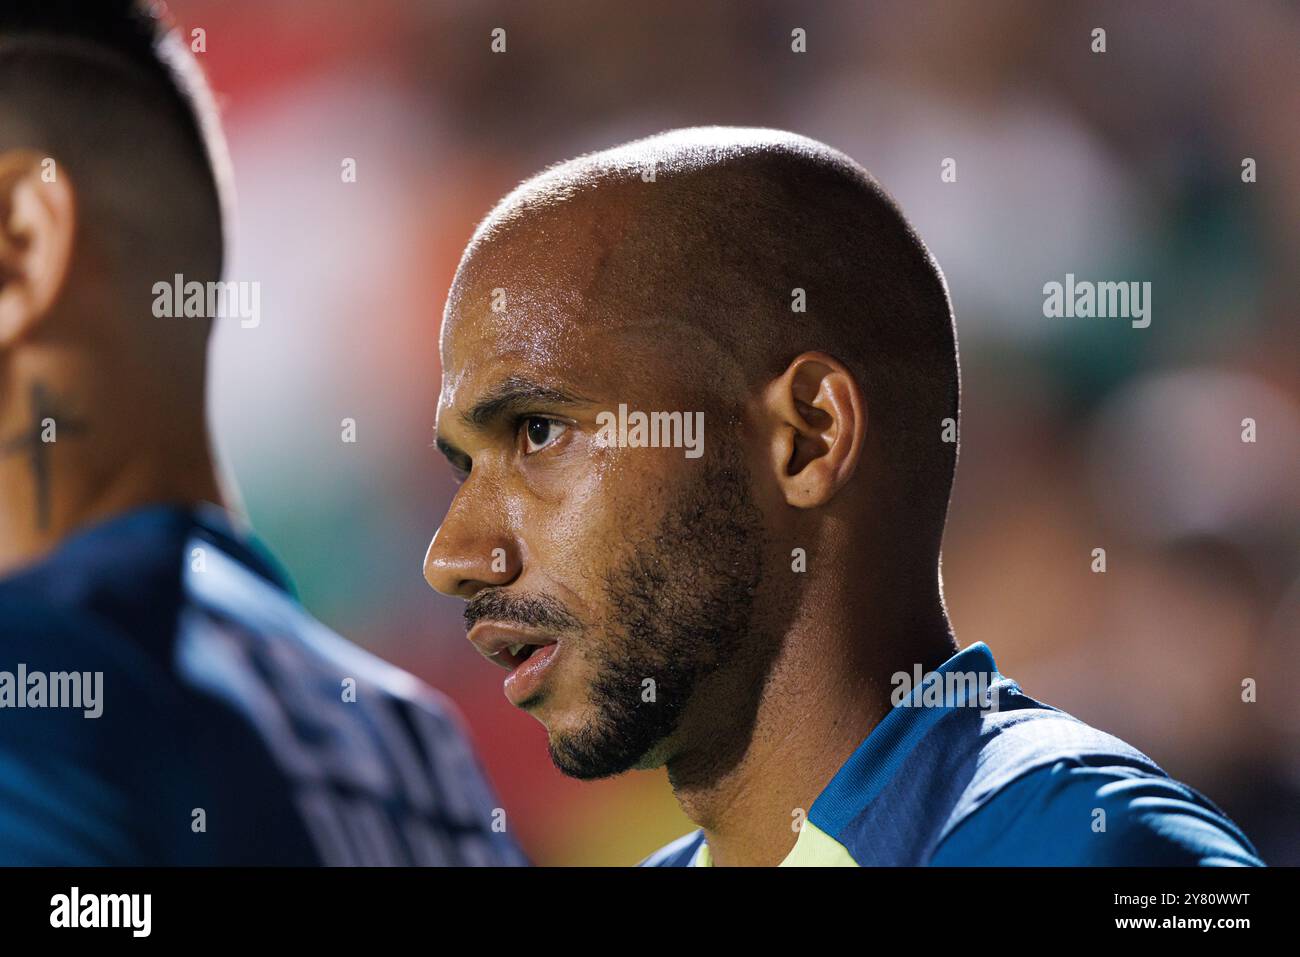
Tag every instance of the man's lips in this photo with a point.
(507, 645)
(526, 654)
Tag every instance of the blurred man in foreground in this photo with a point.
(163, 698)
(702, 391)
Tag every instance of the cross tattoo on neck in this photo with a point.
(32, 443)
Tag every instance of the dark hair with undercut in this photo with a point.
(110, 92)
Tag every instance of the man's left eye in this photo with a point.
(540, 432)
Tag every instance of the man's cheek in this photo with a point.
(585, 536)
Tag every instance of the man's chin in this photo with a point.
(588, 755)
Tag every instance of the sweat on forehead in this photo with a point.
(717, 230)
(652, 234)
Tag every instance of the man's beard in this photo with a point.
(680, 607)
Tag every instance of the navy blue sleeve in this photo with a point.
(1071, 814)
(53, 812)
(65, 778)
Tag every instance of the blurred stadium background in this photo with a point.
(1077, 434)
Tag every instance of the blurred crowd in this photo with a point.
(1077, 434)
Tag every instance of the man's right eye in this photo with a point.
(540, 432)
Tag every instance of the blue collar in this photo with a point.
(123, 546)
(878, 758)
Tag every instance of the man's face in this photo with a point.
(626, 574)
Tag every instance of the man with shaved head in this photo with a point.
(702, 394)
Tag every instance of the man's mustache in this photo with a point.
(537, 611)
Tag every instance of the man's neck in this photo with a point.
(829, 687)
(68, 461)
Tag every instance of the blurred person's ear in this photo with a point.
(818, 420)
(37, 232)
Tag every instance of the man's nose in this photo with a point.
(464, 558)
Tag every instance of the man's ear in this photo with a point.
(37, 230)
(817, 418)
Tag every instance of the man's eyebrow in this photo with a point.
(513, 395)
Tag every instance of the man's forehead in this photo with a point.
(601, 362)
(527, 336)
(504, 319)
(547, 305)
(465, 385)
(561, 300)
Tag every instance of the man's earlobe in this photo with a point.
(817, 415)
(37, 233)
